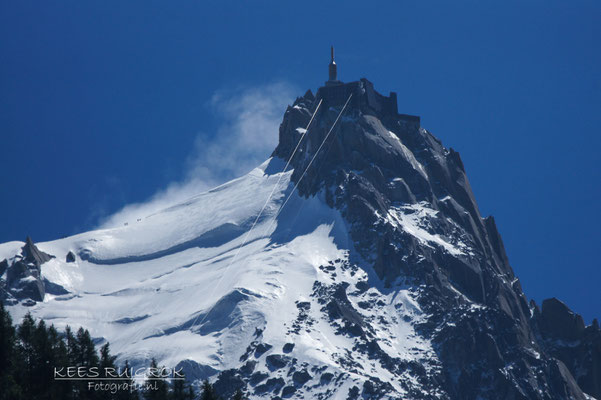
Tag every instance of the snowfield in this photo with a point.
(190, 283)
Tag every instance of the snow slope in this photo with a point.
(190, 283)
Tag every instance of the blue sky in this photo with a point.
(109, 104)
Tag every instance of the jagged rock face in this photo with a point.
(24, 281)
(33, 255)
(413, 217)
(565, 337)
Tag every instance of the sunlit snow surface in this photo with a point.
(415, 220)
(147, 287)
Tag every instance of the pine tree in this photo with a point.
(107, 362)
(191, 395)
(181, 390)
(129, 393)
(208, 393)
(30, 353)
(60, 389)
(85, 356)
(72, 347)
(25, 358)
(44, 362)
(71, 344)
(10, 388)
(178, 390)
(107, 369)
(159, 388)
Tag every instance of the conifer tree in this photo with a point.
(107, 369)
(86, 355)
(71, 344)
(107, 362)
(72, 347)
(129, 393)
(159, 388)
(44, 362)
(30, 353)
(10, 388)
(178, 390)
(59, 389)
(191, 394)
(208, 393)
(25, 357)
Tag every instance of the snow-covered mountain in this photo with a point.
(379, 278)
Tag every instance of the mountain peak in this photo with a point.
(353, 263)
(413, 217)
(32, 254)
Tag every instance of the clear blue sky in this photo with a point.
(101, 102)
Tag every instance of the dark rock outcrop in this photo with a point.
(228, 382)
(413, 217)
(24, 281)
(301, 377)
(195, 371)
(31, 254)
(3, 266)
(557, 321)
(273, 385)
(276, 361)
(288, 347)
(565, 336)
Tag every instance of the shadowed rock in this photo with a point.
(566, 338)
(412, 215)
(34, 255)
(24, 281)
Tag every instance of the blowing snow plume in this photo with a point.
(247, 135)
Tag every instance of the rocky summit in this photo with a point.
(363, 270)
(413, 218)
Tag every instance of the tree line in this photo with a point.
(34, 358)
